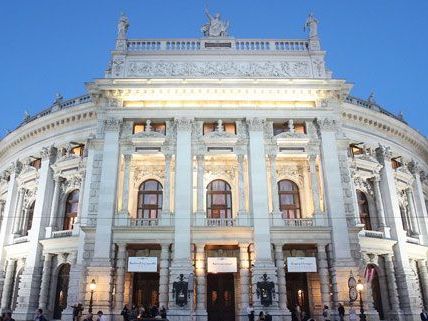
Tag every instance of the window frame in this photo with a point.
(142, 207)
(70, 217)
(365, 218)
(224, 211)
(287, 208)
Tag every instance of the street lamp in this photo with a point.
(360, 288)
(92, 287)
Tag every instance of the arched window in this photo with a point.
(363, 209)
(71, 206)
(30, 214)
(149, 199)
(219, 199)
(289, 200)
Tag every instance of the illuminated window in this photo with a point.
(363, 208)
(227, 127)
(37, 163)
(356, 150)
(78, 150)
(289, 200)
(149, 199)
(219, 199)
(155, 127)
(71, 207)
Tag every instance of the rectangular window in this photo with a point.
(227, 127)
(155, 127)
(395, 163)
(78, 150)
(37, 163)
(356, 150)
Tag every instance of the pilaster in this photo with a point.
(201, 290)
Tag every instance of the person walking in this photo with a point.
(89, 317)
(163, 312)
(326, 313)
(261, 316)
(341, 310)
(101, 316)
(133, 314)
(39, 315)
(250, 312)
(125, 313)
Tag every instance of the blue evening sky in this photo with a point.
(51, 46)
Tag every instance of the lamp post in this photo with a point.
(92, 287)
(360, 288)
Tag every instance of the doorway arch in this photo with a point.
(61, 290)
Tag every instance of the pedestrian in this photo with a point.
(341, 311)
(424, 315)
(101, 316)
(250, 312)
(298, 313)
(77, 311)
(133, 314)
(125, 313)
(305, 316)
(326, 313)
(154, 311)
(39, 315)
(352, 314)
(7, 316)
(89, 317)
(268, 317)
(261, 316)
(163, 312)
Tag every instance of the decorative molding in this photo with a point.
(383, 154)
(183, 124)
(255, 124)
(271, 69)
(48, 153)
(326, 124)
(112, 124)
(292, 172)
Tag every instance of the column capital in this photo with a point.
(48, 153)
(121, 246)
(255, 124)
(112, 124)
(200, 157)
(326, 124)
(127, 158)
(243, 246)
(165, 246)
(183, 124)
(383, 154)
(240, 157)
(200, 247)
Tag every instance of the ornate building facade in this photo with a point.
(206, 174)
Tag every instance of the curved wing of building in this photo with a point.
(205, 175)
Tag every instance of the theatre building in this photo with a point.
(206, 174)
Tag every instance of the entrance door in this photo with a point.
(220, 297)
(145, 290)
(297, 293)
(376, 293)
(61, 291)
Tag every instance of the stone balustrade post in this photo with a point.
(46, 278)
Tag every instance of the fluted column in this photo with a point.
(412, 212)
(379, 203)
(314, 183)
(120, 270)
(282, 287)
(323, 274)
(8, 284)
(55, 200)
(200, 278)
(244, 276)
(163, 275)
(46, 278)
(423, 275)
(392, 284)
(81, 198)
(2, 206)
(125, 188)
(18, 213)
(167, 185)
(200, 182)
(274, 184)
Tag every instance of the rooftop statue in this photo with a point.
(215, 26)
(312, 24)
(122, 26)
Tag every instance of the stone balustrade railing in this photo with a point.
(299, 222)
(227, 43)
(65, 233)
(372, 234)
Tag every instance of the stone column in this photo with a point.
(125, 189)
(412, 212)
(334, 192)
(244, 276)
(423, 275)
(46, 279)
(392, 286)
(200, 211)
(2, 205)
(274, 186)
(282, 287)
(241, 185)
(314, 183)
(201, 291)
(54, 207)
(163, 275)
(324, 275)
(379, 203)
(166, 208)
(418, 195)
(18, 214)
(8, 285)
(120, 273)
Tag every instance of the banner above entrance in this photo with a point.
(222, 265)
(301, 264)
(143, 264)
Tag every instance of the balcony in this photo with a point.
(307, 222)
(123, 220)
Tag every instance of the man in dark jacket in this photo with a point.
(424, 315)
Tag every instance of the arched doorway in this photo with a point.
(15, 288)
(373, 276)
(61, 290)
